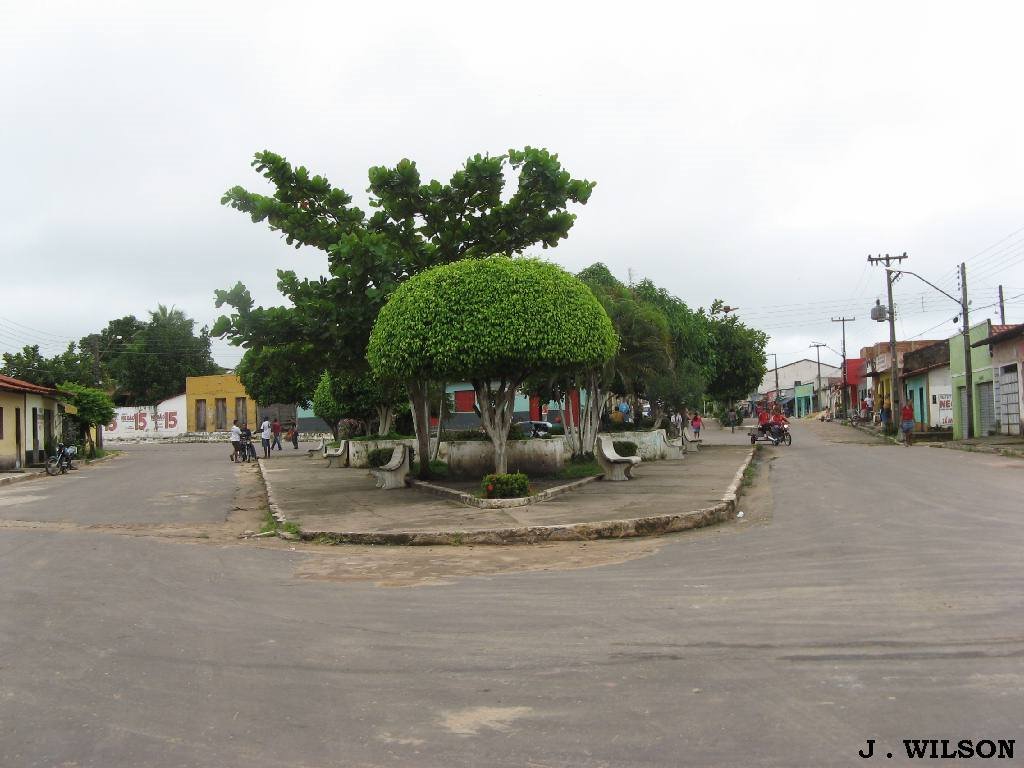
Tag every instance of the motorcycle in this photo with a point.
(774, 434)
(60, 463)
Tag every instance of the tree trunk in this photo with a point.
(590, 419)
(333, 425)
(421, 422)
(385, 419)
(436, 445)
(496, 410)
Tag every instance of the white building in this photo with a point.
(799, 372)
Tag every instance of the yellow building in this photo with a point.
(213, 402)
(29, 422)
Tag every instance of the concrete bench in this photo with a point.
(690, 443)
(394, 474)
(321, 448)
(340, 453)
(615, 467)
(667, 449)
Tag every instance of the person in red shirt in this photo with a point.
(763, 418)
(907, 423)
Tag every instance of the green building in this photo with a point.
(982, 384)
(803, 395)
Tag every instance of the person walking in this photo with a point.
(677, 422)
(731, 416)
(293, 435)
(276, 429)
(885, 413)
(266, 433)
(907, 423)
(236, 440)
(695, 424)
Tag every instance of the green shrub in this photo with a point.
(557, 429)
(515, 432)
(465, 434)
(510, 486)
(378, 457)
(388, 436)
(624, 447)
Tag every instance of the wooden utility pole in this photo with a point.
(968, 372)
(893, 366)
(1002, 307)
(846, 394)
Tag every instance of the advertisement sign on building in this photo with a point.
(945, 403)
(165, 419)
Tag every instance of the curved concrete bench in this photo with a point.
(321, 448)
(690, 443)
(616, 468)
(393, 474)
(340, 453)
(670, 450)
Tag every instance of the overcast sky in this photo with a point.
(756, 152)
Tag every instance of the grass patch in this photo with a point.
(270, 525)
(575, 470)
(438, 470)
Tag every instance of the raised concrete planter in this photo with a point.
(520, 501)
(475, 458)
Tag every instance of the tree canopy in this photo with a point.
(493, 322)
(136, 361)
(412, 225)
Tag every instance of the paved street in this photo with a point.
(869, 592)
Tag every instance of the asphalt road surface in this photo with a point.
(869, 592)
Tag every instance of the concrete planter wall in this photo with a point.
(359, 450)
(650, 446)
(475, 458)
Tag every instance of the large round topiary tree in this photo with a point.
(491, 322)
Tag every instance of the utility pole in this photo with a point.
(893, 366)
(817, 396)
(846, 394)
(1002, 307)
(96, 378)
(968, 373)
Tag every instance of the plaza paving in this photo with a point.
(330, 499)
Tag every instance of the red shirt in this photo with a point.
(778, 418)
(763, 417)
(907, 413)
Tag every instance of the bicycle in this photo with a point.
(60, 462)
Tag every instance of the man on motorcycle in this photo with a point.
(763, 420)
(778, 419)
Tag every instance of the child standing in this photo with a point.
(695, 424)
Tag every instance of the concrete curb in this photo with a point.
(275, 510)
(474, 501)
(20, 478)
(1010, 453)
(24, 477)
(653, 525)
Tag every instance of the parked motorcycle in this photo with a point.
(60, 462)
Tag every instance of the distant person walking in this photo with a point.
(266, 433)
(907, 423)
(695, 424)
(236, 440)
(885, 414)
(731, 416)
(677, 422)
(293, 435)
(276, 429)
